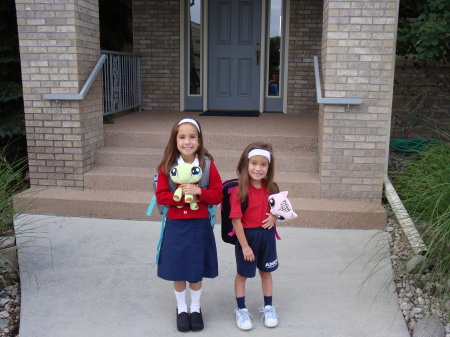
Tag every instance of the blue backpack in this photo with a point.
(203, 183)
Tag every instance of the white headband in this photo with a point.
(189, 120)
(259, 152)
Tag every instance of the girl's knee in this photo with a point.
(265, 275)
(240, 278)
(195, 286)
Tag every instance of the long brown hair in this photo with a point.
(242, 170)
(171, 152)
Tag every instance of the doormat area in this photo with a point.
(231, 113)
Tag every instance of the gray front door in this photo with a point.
(234, 40)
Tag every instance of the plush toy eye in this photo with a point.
(271, 202)
(174, 172)
(196, 171)
(279, 217)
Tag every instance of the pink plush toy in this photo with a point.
(281, 207)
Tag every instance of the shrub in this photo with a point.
(11, 183)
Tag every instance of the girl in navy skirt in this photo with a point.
(188, 249)
(255, 230)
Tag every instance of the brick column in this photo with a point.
(358, 53)
(59, 46)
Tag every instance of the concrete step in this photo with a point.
(225, 160)
(120, 184)
(113, 204)
(237, 142)
(141, 179)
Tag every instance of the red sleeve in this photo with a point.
(235, 204)
(213, 194)
(163, 194)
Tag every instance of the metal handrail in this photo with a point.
(86, 87)
(121, 83)
(331, 100)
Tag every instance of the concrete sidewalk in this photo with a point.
(86, 277)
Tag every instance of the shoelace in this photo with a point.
(268, 313)
(243, 315)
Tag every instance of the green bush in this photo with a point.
(423, 30)
(424, 188)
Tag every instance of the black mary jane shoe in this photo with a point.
(183, 322)
(196, 321)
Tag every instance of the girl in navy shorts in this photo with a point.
(255, 230)
(188, 248)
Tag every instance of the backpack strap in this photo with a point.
(172, 185)
(204, 180)
(161, 233)
(212, 214)
(244, 205)
(204, 183)
(151, 205)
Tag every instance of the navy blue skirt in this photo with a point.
(188, 251)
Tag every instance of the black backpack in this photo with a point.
(227, 225)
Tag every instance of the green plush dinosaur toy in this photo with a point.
(185, 174)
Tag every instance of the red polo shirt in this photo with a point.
(257, 208)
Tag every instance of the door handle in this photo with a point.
(258, 52)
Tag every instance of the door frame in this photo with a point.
(258, 77)
(200, 102)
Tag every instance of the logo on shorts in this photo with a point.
(272, 264)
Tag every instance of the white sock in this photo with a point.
(181, 301)
(195, 300)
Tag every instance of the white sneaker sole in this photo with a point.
(273, 325)
(245, 328)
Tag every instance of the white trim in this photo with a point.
(205, 53)
(189, 44)
(182, 56)
(202, 55)
(410, 230)
(263, 51)
(286, 15)
(263, 57)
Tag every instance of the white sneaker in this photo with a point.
(242, 319)
(270, 316)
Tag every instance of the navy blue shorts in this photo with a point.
(188, 251)
(263, 243)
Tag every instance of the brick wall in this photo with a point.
(421, 105)
(305, 37)
(59, 46)
(156, 35)
(357, 61)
